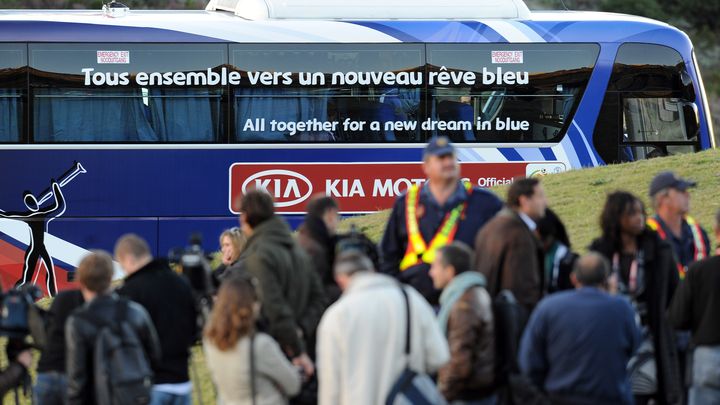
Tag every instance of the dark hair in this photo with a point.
(352, 261)
(521, 187)
(257, 207)
(551, 225)
(617, 204)
(592, 269)
(458, 255)
(95, 271)
(320, 204)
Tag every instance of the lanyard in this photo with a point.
(632, 276)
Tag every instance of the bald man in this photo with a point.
(577, 343)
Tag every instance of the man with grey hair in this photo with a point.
(671, 201)
(577, 343)
(361, 338)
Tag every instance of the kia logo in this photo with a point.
(288, 188)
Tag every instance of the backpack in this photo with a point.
(121, 368)
(513, 387)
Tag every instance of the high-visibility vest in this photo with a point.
(417, 251)
(700, 251)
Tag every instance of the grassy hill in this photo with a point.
(578, 196)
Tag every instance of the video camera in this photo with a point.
(356, 240)
(195, 266)
(20, 317)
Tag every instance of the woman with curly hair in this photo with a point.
(644, 271)
(247, 367)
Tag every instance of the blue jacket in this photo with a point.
(577, 345)
(482, 205)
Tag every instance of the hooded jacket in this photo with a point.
(290, 290)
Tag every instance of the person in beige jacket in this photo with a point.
(361, 338)
(227, 342)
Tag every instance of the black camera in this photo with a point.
(356, 240)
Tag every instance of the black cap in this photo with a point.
(439, 146)
(665, 180)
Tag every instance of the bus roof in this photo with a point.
(201, 26)
(372, 9)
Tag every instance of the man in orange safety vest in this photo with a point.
(431, 215)
(671, 201)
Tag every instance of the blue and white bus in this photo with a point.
(156, 121)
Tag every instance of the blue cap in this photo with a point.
(665, 180)
(439, 146)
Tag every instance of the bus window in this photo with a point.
(127, 92)
(517, 92)
(648, 110)
(328, 93)
(13, 73)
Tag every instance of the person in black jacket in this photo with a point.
(169, 300)
(317, 235)
(17, 370)
(51, 382)
(644, 271)
(94, 274)
(696, 307)
(559, 257)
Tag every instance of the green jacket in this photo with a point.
(291, 292)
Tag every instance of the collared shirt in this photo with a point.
(684, 245)
(455, 198)
(528, 221)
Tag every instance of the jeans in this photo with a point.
(50, 389)
(705, 387)
(164, 398)
(491, 400)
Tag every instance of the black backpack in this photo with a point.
(513, 388)
(123, 375)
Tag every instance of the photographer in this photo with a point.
(169, 300)
(20, 358)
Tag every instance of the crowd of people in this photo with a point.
(467, 299)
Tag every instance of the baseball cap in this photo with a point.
(439, 146)
(665, 180)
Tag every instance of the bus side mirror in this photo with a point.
(686, 84)
(691, 119)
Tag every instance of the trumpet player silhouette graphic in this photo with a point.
(37, 218)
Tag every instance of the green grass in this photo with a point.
(577, 196)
